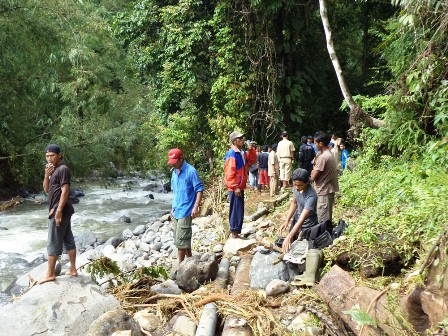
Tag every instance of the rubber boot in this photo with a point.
(308, 278)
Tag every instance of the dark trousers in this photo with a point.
(307, 166)
(236, 211)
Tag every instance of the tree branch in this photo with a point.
(357, 114)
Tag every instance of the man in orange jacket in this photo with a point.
(236, 170)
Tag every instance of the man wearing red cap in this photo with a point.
(57, 184)
(188, 189)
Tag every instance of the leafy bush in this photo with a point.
(402, 198)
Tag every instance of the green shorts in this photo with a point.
(182, 232)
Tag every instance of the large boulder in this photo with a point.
(66, 306)
(113, 321)
(262, 272)
(196, 270)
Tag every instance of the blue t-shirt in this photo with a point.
(185, 185)
(306, 200)
(344, 158)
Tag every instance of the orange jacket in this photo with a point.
(236, 167)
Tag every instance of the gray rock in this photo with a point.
(147, 320)
(124, 219)
(156, 226)
(276, 287)
(112, 321)
(36, 273)
(217, 248)
(262, 272)
(114, 241)
(167, 287)
(139, 230)
(165, 218)
(184, 326)
(85, 240)
(67, 306)
(195, 271)
(127, 234)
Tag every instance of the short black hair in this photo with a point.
(301, 175)
(264, 148)
(322, 137)
(303, 139)
(274, 147)
(284, 134)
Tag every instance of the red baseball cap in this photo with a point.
(174, 155)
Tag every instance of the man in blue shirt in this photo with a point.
(188, 189)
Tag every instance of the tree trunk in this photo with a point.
(358, 116)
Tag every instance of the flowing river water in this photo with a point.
(23, 229)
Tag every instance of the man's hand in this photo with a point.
(171, 215)
(238, 192)
(284, 226)
(49, 169)
(58, 217)
(195, 211)
(286, 244)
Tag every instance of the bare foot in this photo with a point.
(46, 279)
(75, 273)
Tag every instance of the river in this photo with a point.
(23, 244)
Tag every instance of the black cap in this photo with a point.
(300, 175)
(53, 149)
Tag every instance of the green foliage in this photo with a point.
(106, 268)
(402, 198)
(64, 80)
(360, 317)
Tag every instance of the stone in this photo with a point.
(139, 230)
(147, 320)
(127, 234)
(84, 240)
(262, 272)
(184, 326)
(122, 333)
(167, 287)
(232, 245)
(124, 219)
(66, 306)
(276, 287)
(196, 271)
(113, 321)
(114, 241)
(217, 248)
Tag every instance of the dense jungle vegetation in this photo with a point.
(122, 82)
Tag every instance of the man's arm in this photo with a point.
(197, 203)
(291, 212)
(287, 242)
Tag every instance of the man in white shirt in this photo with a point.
(285, 153)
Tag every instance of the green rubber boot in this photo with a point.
(308, 278)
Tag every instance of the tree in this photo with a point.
(357, 115)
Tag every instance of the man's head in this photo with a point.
(284, 134)
(310, 139)
(236, 139)
(269, 148)
(175, 158)
(300, 179)
(342, 145)
(322, 141)
(53, 154)
(303, 139)
(264, 148)
(274, 147)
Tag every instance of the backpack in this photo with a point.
(309, 153)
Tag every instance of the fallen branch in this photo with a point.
(213, 298)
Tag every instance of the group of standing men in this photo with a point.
(309, 205)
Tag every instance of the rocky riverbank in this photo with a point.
(231, 284)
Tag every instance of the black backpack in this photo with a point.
(309, 153)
